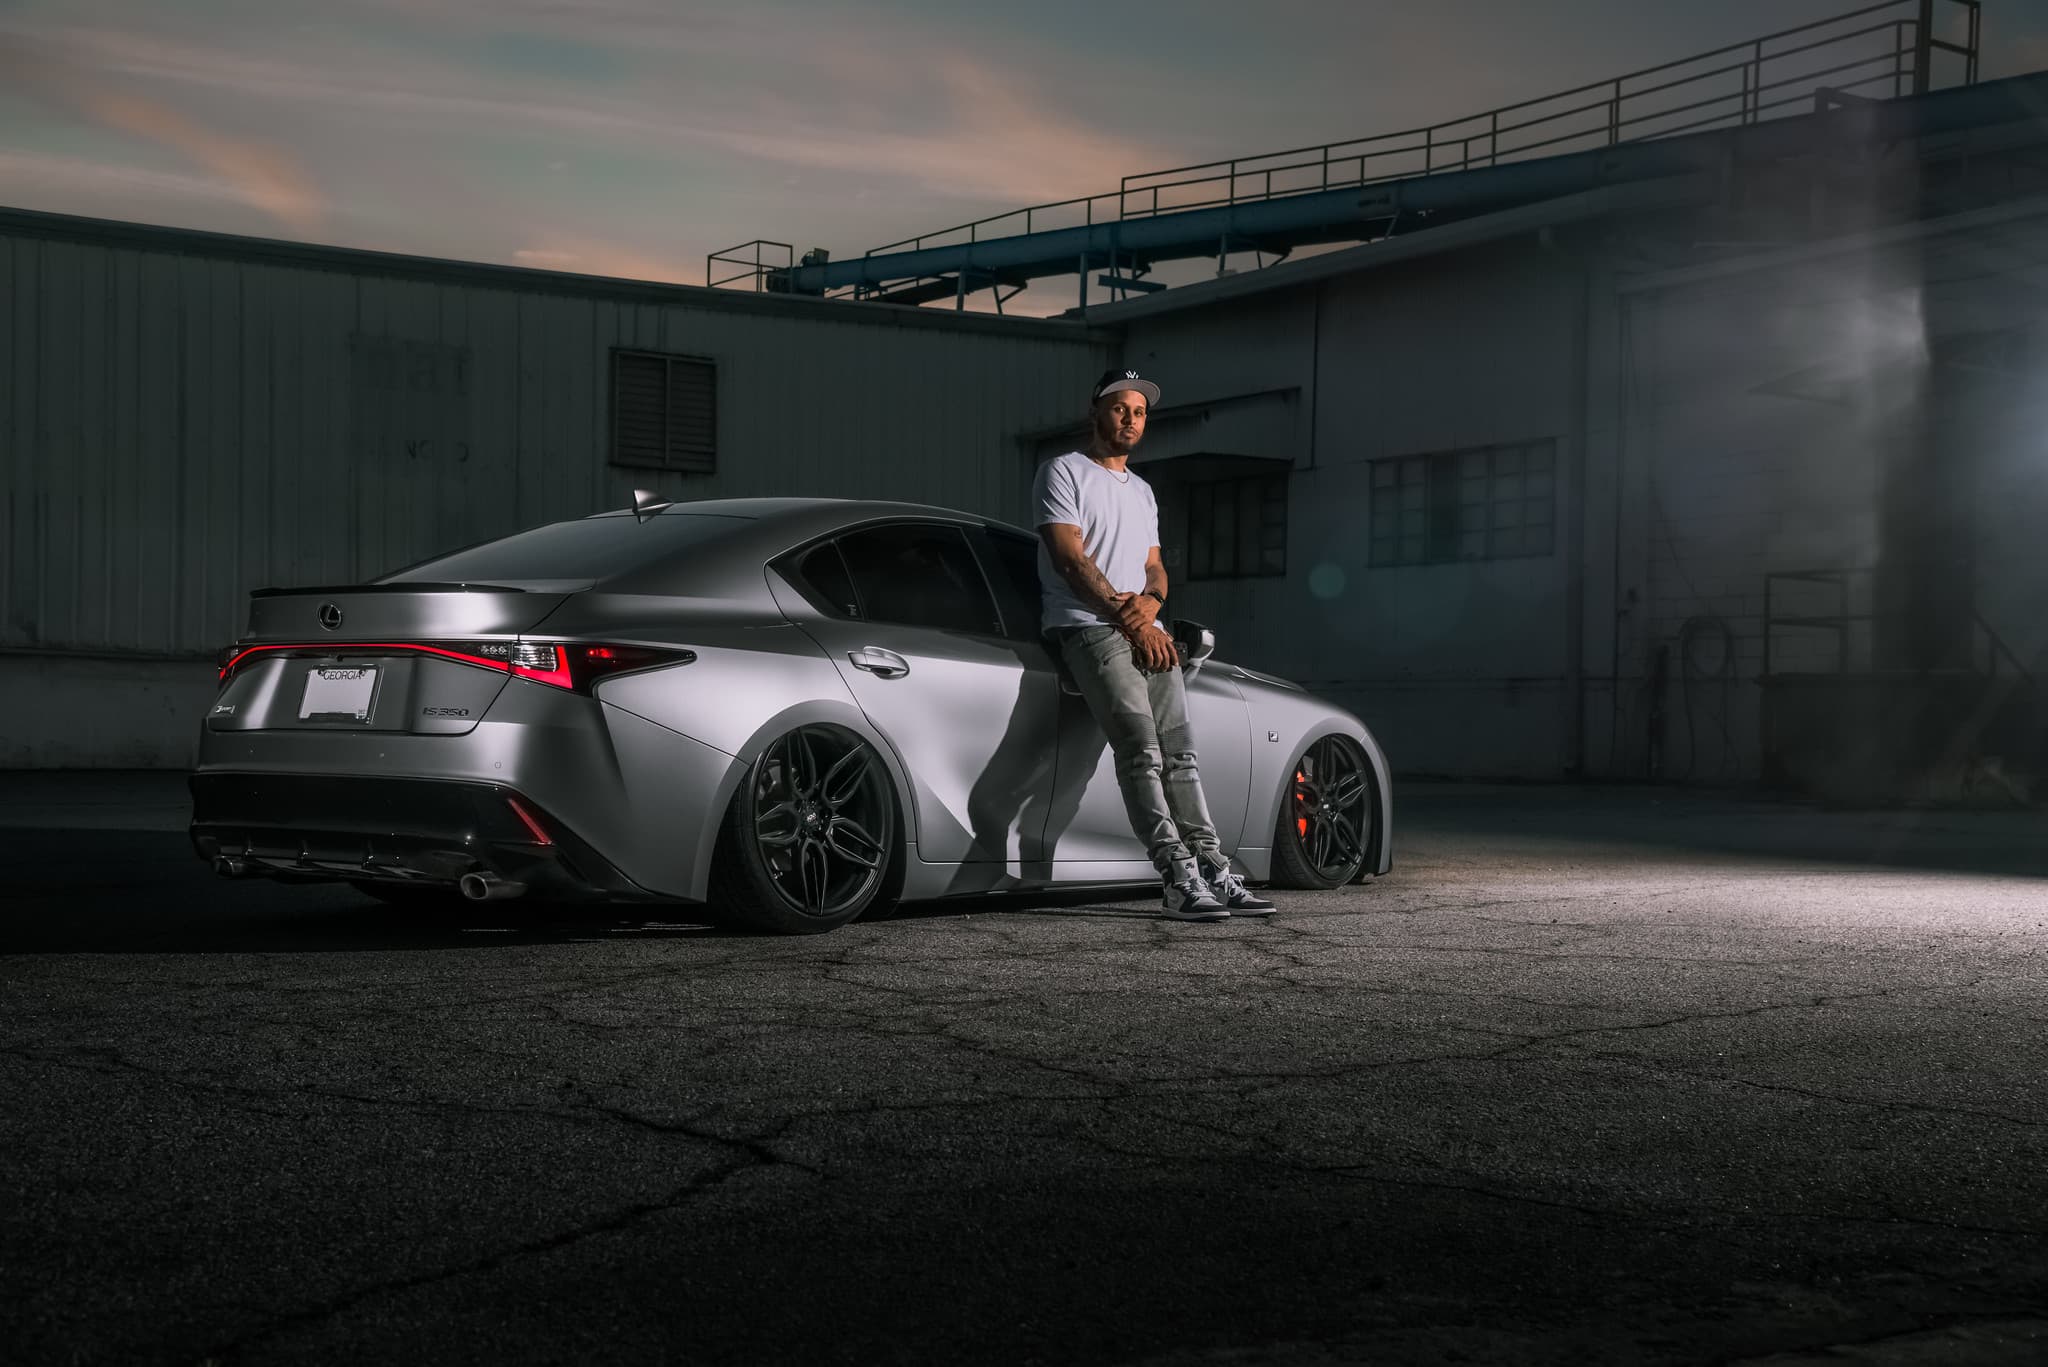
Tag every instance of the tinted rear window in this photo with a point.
(591, 549)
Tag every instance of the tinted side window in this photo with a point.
(1016, 576)
(922, 576)
(821, 573)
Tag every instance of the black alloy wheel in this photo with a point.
(1326, 822)
(808, 839)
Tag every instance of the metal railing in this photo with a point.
(751, 268)
(1811, 66)
(1836, 606)
(1728, 86)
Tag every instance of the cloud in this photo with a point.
(582, 254)
(989, 136)
(252, 171)
(412, 89)
(72, 176)
(911, 114)
(260, 175)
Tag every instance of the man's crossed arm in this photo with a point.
(1134, 612)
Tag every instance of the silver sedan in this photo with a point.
(789, 710)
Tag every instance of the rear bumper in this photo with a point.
(396, 830)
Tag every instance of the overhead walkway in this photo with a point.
(1640, 125)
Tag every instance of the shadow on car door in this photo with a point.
(971, 717)
(1086, 834)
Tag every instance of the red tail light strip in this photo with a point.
(574, 667)
(353, 647)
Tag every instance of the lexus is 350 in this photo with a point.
(786, 710)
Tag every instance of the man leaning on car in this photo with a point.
(1103, 584)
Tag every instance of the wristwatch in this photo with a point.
(1158, 598)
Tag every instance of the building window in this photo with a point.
(1237, 528)
(1488, 503)
(664, 411)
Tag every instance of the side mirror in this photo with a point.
(1196, 643)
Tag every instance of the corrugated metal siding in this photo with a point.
(182, 428)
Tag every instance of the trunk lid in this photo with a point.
(396, 612)
(378, 658)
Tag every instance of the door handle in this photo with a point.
(883, 664)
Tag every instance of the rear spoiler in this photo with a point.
(407, 587)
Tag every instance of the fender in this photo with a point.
(1380, 845)
(822, 712)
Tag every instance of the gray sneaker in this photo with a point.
(1188, 898)
(1236, 898)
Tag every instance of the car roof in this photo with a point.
(802, 518)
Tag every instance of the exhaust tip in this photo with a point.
(227, 866)
(488, 887)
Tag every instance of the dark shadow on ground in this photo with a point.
(145, 892)
(128, 892)
(1129, 901)
(1616, 821)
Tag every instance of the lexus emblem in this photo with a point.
(330, 616)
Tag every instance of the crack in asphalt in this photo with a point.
(929, 1020)
(616, 1221)
(108, 1062)
(1892, 1106)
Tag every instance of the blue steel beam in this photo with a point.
(1349, 213)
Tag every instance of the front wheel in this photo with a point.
(1326, 820)
(807, 839)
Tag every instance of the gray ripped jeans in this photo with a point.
(1145, 717)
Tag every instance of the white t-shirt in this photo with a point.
(1119, 522)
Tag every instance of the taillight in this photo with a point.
(541, 663)
(571, 665)
(588, 665)
(578, 666)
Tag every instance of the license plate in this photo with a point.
(339, 694)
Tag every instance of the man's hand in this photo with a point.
(1135, 612)
(1154, 650)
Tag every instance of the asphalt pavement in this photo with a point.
(1596, 1075)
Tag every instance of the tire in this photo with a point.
(805, 846)
(1325, 824)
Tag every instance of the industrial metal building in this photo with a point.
(1714, 458)
(186, 417)
(1612, 487)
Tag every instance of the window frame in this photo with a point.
(986, 538)
(784, 564)
(1431, 517)
(1201, 494)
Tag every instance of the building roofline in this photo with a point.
(2033, 206)
(1995, 116)
(1666, 192)
(149, 237)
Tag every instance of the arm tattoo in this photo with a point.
(1085, 580)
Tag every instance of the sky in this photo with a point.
(634, 137)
